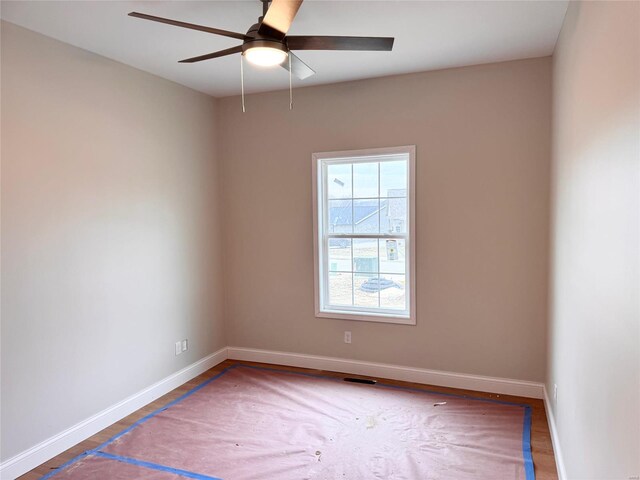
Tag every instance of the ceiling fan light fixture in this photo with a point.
(265, 54)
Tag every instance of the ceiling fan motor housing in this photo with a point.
(254, 39)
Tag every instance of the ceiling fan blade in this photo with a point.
(279, 18)
(340, 43)
(168, 21)
(298, 67)
(208, 56)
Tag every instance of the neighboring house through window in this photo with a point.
(364, 210)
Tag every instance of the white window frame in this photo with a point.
(320, 238)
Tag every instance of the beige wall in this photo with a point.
(594, 349)
(483, 145)
(110, 250)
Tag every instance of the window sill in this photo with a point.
(368, 317)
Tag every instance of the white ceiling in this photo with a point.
(429, 35)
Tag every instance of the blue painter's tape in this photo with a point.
(131, 427)
(161, 409)
(526, 445)
(64, 465)
(155, 466)
(526, 435)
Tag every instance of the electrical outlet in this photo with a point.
(347, 337)
(555, 394)
(185, 345)
(178, 348)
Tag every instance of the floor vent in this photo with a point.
(360, 380)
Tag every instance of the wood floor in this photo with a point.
(543, 458)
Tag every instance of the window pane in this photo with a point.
(392, 256)
(366, 215)
(340, 212)
(339, 180)
(340, 254)
(365, 255)
(341, 288)
(393, 215)
(392, 292)
(393, 179)
(365, 290)
(365, 197)
(365, 180)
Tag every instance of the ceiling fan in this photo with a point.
(266, 43)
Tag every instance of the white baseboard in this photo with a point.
(40, 453)
(502, 386)
(555, 439)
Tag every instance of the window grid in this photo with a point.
(350, 235)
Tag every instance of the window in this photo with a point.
(364, 212)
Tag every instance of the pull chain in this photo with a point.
(242, 80)
(290, 87)
(242, 84)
